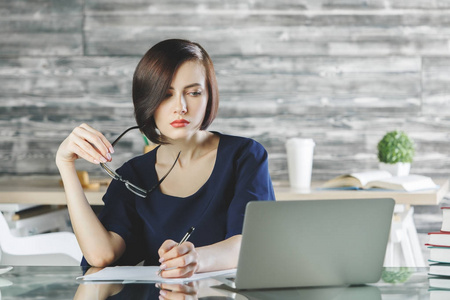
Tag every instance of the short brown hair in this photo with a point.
(154, 74)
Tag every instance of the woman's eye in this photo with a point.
(196, 93)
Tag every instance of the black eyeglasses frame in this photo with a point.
(143, 193)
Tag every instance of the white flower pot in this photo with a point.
(398, 169)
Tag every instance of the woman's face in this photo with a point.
(181, 113)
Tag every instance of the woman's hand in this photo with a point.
(178, 260)
(187, 291)
(85, 142)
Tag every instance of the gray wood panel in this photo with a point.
(341, 72)
(256, 5)
(436, 94)
(39, 28)
(273, 41)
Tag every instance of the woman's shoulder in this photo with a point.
(239, 143)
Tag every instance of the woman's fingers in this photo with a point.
(170, 250)
(88, 150)
(100, 135)
(179, 272)
(165, 248)
(90, 144)
(84, 150)
(179, 261)
(94, 137)
(178, 291)
(85, 142)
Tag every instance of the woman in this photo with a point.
(214, 176)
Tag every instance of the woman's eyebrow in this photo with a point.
(192, 85)
(188, 86)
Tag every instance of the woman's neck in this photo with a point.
(190, 148)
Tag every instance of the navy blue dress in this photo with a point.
(216, 210)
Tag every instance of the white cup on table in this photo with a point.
(300, 160)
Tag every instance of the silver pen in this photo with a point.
(184, 239)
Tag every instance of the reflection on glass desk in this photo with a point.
(40, 282)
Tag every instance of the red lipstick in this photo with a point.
(180, 123)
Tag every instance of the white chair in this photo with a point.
(49, 249)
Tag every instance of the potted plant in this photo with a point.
(396, 275)
(395, 153)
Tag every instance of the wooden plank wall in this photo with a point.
(342, 72)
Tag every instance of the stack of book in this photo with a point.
(439, 246)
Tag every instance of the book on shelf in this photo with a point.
(445, 226)
(439, 282)
(439, 269)
(382, 180)
(439, 294)
(439, 254)
(438, 239)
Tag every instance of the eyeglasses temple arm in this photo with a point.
(120, 136)
(164, 177)
(174, 163)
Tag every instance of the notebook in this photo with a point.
(312, 243)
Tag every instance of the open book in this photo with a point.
(383, 180)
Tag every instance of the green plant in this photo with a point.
(396, 275)
(396, 147)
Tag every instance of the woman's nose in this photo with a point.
(180, 106)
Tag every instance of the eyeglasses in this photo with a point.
(134, 188)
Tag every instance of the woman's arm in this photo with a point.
(99, 246)
(220, 256)
(187, 260)
(97, 291)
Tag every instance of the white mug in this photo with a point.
(300, 160)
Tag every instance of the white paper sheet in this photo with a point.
(145, 273)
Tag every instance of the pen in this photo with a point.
(186, 236)
(184, 239)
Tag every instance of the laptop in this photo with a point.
(357, 292)
(312, 243)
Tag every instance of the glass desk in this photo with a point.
(39, 282)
